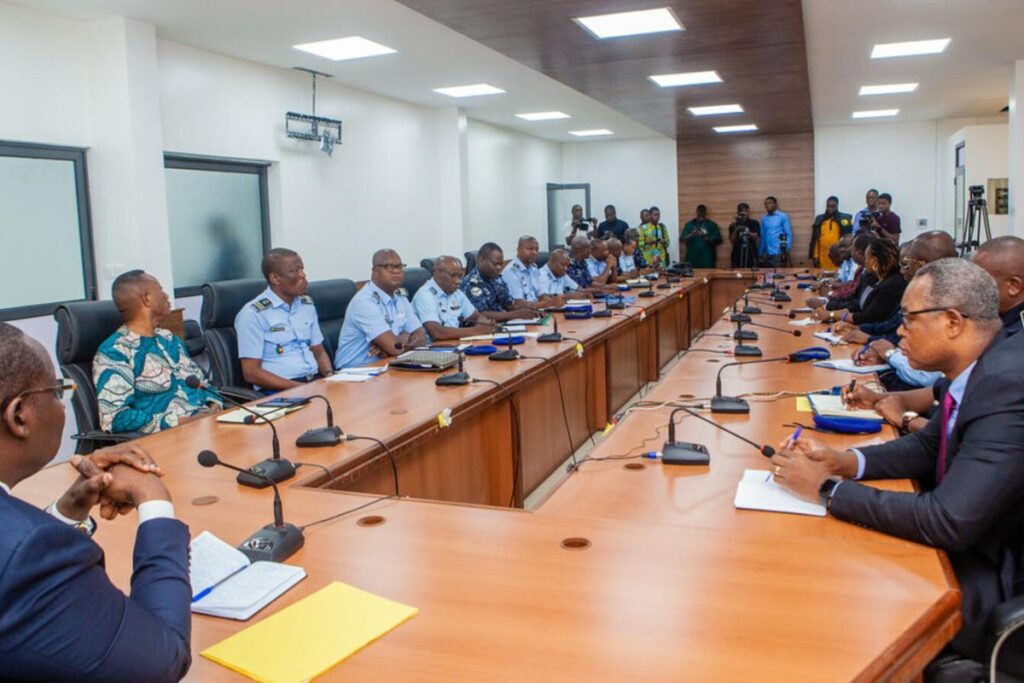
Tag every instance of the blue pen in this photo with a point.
(202, 594)
(796, 434)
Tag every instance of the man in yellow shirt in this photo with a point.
(828, 228)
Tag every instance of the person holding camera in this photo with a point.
(862, 219)
(745, 237)
(702, 237)
(776, 235)
(827, 230)
(884, 221)
(578, 225)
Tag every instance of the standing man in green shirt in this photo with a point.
(702, 238)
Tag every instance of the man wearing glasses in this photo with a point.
(443, 308)
(62, 617)
(280, 344)
(379, 321)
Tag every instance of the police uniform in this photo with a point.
(579, 273)
(448, 310)
(280, 336)
(370, 314)
(594, 267)
(522, 281)
(485, 294)
(555, 286)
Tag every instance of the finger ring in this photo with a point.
(776, 469)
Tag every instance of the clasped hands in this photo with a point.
(802, 467)
(118, 479)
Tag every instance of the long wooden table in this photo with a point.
(673, 582)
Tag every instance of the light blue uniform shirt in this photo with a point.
(556, 286)
(522, 281)
(448, 310)
(773, 225)
(627, 263)
(278, 335)
(595, 267)
(847, 270)
(370, 314)
(918, 378)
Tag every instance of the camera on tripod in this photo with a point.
(976, 191)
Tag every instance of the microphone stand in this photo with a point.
(731, 404)
(551, 337)
(454, 379)
(330, 435)
(765, 450)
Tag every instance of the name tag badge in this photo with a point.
(277, 328)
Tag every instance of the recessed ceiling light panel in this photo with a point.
(631, 23)
(716, 109)
(875, 113)
(909, 49)
(353, 47)
(736, 129)
(691, 78)
(591, 133)
(544, 116)
(891, 89)
(473, 90)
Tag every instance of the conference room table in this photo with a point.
(628, 570)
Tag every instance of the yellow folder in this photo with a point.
(316, 633)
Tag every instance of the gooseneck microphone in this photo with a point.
(764, 449)
(273, 543)
(509, 353)
(551, 337)
(795, 333)
(455, 379)
(274, 469)
(731, 404)
(330, 435)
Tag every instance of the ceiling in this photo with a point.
(970, 78)
(757, 47)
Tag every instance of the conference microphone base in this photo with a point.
(275, 470)
(603, 313)
(510, 354)
(729, 404)
(748, 335)
(739, 318)
(683, 453)
(745, 350)
(781, 297)
(273, 543)
(455, 379)
(751, 310)
(319, 438)
(550, 338)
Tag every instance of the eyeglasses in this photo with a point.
(59, 389)
(905, 314)
(392, 267)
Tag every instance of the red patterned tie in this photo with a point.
(947, 409)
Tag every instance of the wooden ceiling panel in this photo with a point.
(757, 47)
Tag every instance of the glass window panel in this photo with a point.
(39, 227)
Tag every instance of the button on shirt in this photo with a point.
(555, 286)
(773, 225)
(486, 294)
(433, 305)
(522, 281)
(280, 335)
(370, 314)
(579, 273)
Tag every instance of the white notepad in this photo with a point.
(831, 405)
(830, 338)
(226, 584)
(239, 416)
(847, 365)
(804, 322)
(758, 491)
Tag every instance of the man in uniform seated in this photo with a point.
(631, 260)
(600, 264)
(140, 370)
(522, 274)
(379, 321)
(443, 308)
(554, 278)
(488, 291)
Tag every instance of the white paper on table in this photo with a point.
(578, 302)
(803, 322)
(757, 490)
(514, 328)
(847, 365)
(370, 370)
(830, 338)
(349, 377)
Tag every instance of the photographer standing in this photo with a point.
(745, 236)
(702, 238)
(884, 221)
(862, 219)
(577, 225)
(828, 228)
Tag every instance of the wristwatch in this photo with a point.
(908, 417)
(889, 352)
(828, 489)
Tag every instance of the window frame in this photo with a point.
(191, 162)
(76, 155)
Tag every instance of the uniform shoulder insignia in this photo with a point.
(261, 304)
(402, 291)
(475, 291)
(306, 299)
(433, 290)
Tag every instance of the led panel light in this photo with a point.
(743, 128)
(590, 133)
(544, 116)
(875, 113)
(909, 49)
(353, 47)
(892, 89)
(716, 109)
(473, 90)
(691, 78)
(631, 23)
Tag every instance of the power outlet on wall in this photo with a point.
(922, 223)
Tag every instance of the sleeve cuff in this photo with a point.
(55, 513)
(155, 509)
(860, 463)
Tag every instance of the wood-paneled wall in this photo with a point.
(721, 173)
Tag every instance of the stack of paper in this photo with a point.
(804, 322)
(831, 405)
(238, 416)
(226, 584)
(357, 374)
(758, 491)
(847, 365)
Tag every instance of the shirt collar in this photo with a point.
(432, 283)
(959, 385)
(275, 300)
(5, 488)
(523, 265)
(1012, 317)
(381, 293)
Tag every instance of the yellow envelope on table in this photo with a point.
(315, 633)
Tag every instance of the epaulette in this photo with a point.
(402, 291)
(433, 290)
(306, 299)
(261, 304)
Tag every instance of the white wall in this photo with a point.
(986, 156)
(630, 174)
(508, 173)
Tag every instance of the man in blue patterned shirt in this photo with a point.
(140, 370)
(488, 292)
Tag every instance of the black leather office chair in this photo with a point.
(1005, 634)
(331, 298)
(427, 264)
(470, 260)
(221, 303)
(196, 345)
(542, 258)
(81, 328)
(414, 279)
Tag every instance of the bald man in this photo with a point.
(1003, 258)
(445, 310)
(140, 370)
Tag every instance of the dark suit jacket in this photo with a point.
(866, 279)
(62, 620)
(977, 513)
(880, 304)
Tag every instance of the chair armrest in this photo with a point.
(1007, 617)
(107, 437)
(241, 394)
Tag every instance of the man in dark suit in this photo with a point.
(969, 459)
(62, 619)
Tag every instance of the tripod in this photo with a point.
(977, 218)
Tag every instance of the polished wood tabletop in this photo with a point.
(672, 583)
